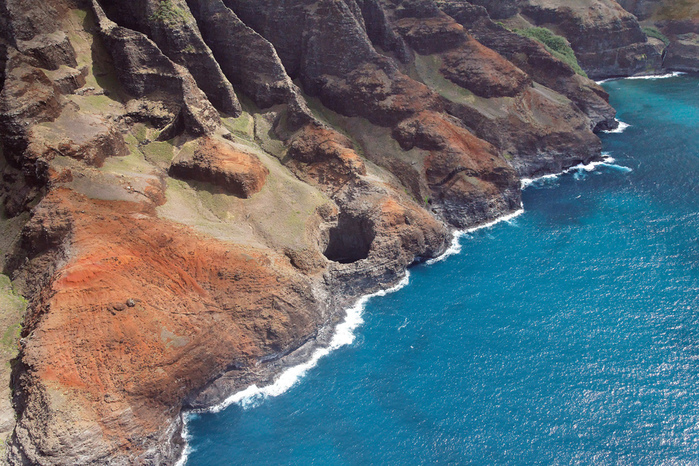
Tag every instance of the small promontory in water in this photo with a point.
(194, 189)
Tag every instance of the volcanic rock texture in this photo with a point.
(606, 35)
(678, 21)
(193, 190)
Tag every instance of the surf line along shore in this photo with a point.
(344, 332)
(293, 367)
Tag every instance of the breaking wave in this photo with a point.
(344, 332)
(619, 129)
(607, 161)
(650, 76)
(343, 335)
(455, 246)
(253, 395)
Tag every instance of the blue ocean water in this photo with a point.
(567, 335)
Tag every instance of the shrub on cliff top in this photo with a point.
(168, 13)
(556, 45)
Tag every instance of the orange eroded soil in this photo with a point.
(145, 310)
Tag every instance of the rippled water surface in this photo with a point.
(567, 335)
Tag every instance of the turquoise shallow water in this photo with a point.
(567, 335)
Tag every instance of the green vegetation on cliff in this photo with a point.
(558, 46)
(168, 13)
(650, 31)
(12, 306)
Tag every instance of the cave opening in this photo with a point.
(349, 241)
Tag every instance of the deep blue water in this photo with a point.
(568, 335)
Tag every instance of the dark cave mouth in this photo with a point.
(350, 241)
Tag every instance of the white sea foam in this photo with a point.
(343, 335)
(455, 246)
(650, 76)
(619, 129)
(504, 218)
(254, 395)
(607, 161)
(529, 181)
(344, 332)
(659, 76)
(185, 435)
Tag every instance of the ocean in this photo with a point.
(567, 334)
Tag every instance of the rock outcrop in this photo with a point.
(609, 38)
(683, 53)
(171, 26)
(237, 172)
(608, 41)
(165, 306)
(144, 70)
(676, 24)
(196, 189)
(533, 58)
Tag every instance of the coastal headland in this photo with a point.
(194, 191)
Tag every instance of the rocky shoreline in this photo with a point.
(319, 345)
(233, 391)
(195, 191)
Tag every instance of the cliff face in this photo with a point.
(606, 35)
(607, 40)
(678, 21)
(195, 189)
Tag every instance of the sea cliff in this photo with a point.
(194, 190)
